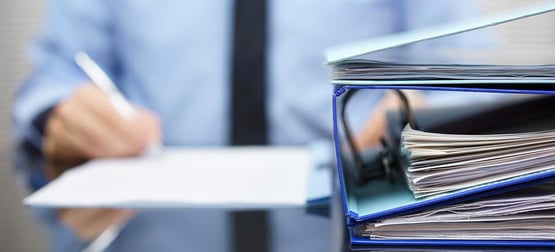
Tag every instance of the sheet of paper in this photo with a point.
(239, 177)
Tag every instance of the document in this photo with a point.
(526, 214)
(238, 177)
(442, 163)
(361, 69)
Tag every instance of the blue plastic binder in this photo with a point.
(380, 199)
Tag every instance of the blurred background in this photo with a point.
(532, 39)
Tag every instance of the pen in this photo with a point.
(101, 79)
(124, 108)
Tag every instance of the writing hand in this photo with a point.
(86, 125)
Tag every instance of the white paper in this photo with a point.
(239, 177)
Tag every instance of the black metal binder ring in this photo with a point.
(382, 167)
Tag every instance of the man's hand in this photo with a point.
(86, 125)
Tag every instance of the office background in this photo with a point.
(532, 39)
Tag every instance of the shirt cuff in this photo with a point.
(32, 148)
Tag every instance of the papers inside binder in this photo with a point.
(520, 215)
(442, 163)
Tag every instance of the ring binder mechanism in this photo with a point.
(380, 208)
(376, 164)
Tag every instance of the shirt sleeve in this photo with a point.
(68, 27)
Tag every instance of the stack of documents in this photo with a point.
(526, 214)
(441, 163)
(361, 69)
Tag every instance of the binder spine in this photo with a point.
(337, 146)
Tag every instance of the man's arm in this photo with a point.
(58, 114)
(68, 27)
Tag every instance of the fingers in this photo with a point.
(89, 223)
(127, 134)
(88, 126)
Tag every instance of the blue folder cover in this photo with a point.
(365, 203)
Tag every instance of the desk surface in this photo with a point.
(289, 229)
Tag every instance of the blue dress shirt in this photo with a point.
(173, 57)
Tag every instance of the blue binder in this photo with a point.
(378, 200)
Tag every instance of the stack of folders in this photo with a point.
(465, 191)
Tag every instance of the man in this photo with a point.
(174, 60)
